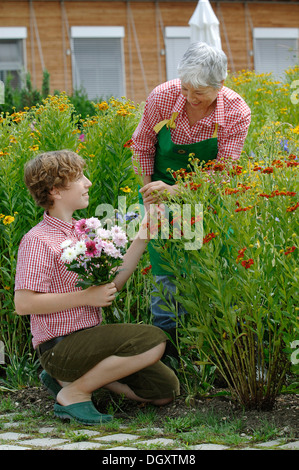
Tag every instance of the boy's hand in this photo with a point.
(101, 296)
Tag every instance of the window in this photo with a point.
(12, 54)
(275, 49)
(98, 60)
(177, 41)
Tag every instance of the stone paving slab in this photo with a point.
(49, 437)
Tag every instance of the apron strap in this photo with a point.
(168, 122)
(215, 131)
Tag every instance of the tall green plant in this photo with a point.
(241, 287)
(103, 144)
(50, 125)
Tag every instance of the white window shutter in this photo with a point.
(177, 41)
(98, 67)
(11, 54)
(275, 50)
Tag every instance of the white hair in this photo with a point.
(203, 65)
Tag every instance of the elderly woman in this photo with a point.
(192, 114)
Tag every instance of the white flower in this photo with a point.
(69, 254)
(66, 243)
(80, 247)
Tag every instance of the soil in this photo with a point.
(284, 415)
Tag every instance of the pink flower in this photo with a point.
(93, 223)
(82, 137)
(120, 239)
(91, 248)
(80, 227)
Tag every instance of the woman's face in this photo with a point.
(201, 97)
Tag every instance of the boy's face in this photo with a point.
(75, 196)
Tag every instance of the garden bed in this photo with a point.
(284, 416)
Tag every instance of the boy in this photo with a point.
(79, 354)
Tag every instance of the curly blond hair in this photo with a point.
(51, 169)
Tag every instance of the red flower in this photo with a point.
(218, 167)
(209, 237)
(241, 254)
(128, 143)
(91, 248)
(237, 170)
(268, 170)
(247, 263)
(146, 270)
(231, 191)
(290, 250)
(243, 209)
(293, 208)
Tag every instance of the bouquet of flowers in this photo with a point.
(97, 253)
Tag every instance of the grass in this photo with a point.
(194, 428)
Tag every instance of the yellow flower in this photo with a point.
(103, 105)
(126, 189)
(34, 148)
(8, 219)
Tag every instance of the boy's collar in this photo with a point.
(58, 223)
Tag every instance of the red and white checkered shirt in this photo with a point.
(40, 269)
(231, 113)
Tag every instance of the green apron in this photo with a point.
(175, 157)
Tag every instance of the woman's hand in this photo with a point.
(156, 192)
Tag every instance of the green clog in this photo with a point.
(83, 412)
(51, 384)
